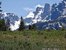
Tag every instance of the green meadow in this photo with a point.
(33, 40)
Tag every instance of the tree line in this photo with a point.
(4, 27)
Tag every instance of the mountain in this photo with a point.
(46, 11)
(48, 17)
(12, 21)
(35, 16)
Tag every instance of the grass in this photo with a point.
(33, 40)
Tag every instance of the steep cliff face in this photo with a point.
(48, 17)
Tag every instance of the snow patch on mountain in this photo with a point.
(34, 16)
(15, 26)
(30, 15)
(39, 6)
(48, 17)
(12, 21)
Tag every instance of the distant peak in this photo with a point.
(39, 6)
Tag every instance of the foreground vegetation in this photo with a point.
(33, 40)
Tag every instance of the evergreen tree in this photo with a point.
(22, 26)
(2, 25)
(32, 27)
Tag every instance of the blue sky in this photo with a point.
(18, 6)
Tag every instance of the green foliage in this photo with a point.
(32, 27)
(40, 33)
(65, 35)
(37, 40)
(22, 26)
(2, 25)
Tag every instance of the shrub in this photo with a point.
(32, 27)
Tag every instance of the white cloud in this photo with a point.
(28, 9)
(33, 9)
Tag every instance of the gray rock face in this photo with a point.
(12, 21)
(49, 18)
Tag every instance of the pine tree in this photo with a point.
(2, 25)
(22, 26)
(30, 27)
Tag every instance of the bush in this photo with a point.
(32, 27)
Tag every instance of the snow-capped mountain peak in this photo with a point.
(48, 17)
(39, 6)
(35, 16)
(30, 15)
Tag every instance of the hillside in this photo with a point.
(33, 40)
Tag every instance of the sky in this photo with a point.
(21, 7)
